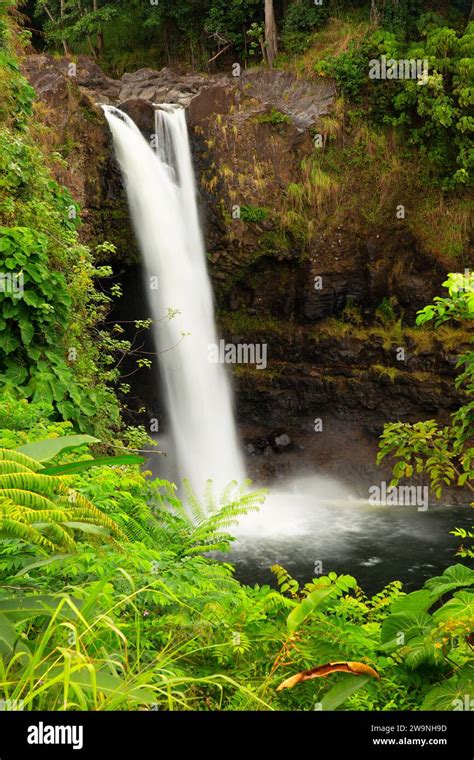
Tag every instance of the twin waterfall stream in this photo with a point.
(161, 192)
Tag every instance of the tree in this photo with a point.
(271, 40)
(72, 21)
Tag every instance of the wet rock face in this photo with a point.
(142, 113)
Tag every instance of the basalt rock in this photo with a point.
(270, 263)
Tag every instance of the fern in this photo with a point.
(22, 459)
(40, 509)
(199, 528)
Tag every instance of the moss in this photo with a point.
(391, 372)
(92, 115)
(253, 213)
(68, 146)
(273, 242)
(273, 117)
(241, 322)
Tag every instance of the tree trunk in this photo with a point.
(471, 15)
(99, 38)
(167, 47)
(61, 11)
(271, 41)
(51, 18)
(374, 13)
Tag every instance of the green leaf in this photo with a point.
(459, 607)
(48, 448)
(32, 298)
(9, 343)
(338, 694)
(27, 331)
(8, 636)
(409, 624)
(42, 563)
(452, 578)
(417, 601)
(307, 606)
(16, 373)
(71, 467)
(96, 530)
(9, 309)
(19, 609)
(457, 693)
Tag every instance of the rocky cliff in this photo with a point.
(319, 269)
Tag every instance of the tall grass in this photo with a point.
(87, 658)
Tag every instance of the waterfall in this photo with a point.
(161, 192)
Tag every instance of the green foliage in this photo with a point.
(191, 30)
(253, 213)
(229, 21)
(349, 69)
(301, 20)
(434, 115)
(206, 525)
(31, 357)
(51, 351)
(444, 453)
(400, 636)
(325, 588)
(42, 510)
(436, 639)
(273, 117)
(92, 651)
(17, 94)
(152, 624)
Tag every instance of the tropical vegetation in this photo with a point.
(115, 593)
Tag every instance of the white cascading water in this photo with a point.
(161, 192)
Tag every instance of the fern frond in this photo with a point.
(32, 481)
(205, 528)
(7, 466)
(26, 498)
(226, 493)
(209, 498)
(34, 516)
(16, 456)
(196, 509)
(62, 536)
(32, 504)
(14, 529)
(78, 501)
